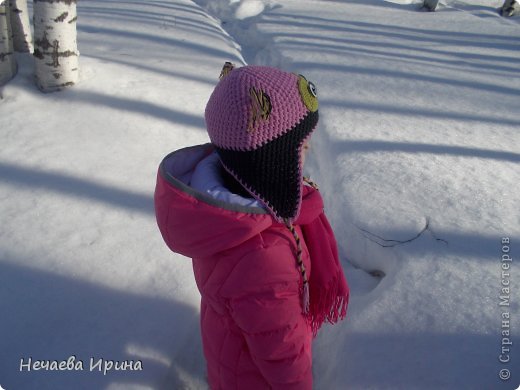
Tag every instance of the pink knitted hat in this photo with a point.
(258, 118)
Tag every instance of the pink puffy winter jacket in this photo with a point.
(253, 331)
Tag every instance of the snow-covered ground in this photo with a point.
(417, 155)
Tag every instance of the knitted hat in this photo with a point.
(258, 119)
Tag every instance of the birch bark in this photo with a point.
(7, 59)
(55, 47)
(22, 37)
(431, 5)
(510, 8)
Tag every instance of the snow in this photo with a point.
(417, 157)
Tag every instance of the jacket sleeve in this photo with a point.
(269, 314)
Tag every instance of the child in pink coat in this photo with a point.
(264, 256)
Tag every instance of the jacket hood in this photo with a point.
(194, 223)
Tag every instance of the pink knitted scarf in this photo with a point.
(328, 288)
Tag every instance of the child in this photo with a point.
(264, 255)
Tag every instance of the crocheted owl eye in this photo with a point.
(309, 93)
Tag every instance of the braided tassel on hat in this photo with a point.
(299, 260)
(301, 267)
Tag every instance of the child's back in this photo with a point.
(252, 255)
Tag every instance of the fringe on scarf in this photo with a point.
(327, 307)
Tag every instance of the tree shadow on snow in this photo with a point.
(396, 74)
(371, 146)
(127, 60)
(135, 106)
(51, 317)
(76, 187)
(423, 360)
(156, 19)
(410, 34)
(151, 38)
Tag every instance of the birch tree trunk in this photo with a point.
(22, 37)
(510, 8)
(430, 5)
(55, 48)
(7, 60)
